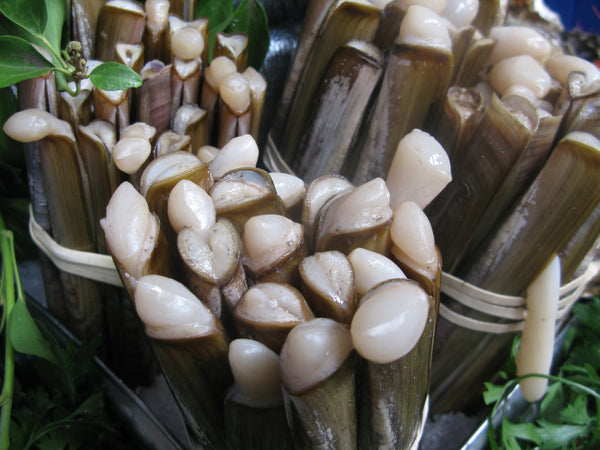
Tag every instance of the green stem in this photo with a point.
(6, 396)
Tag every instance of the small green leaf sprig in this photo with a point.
(21, 333)
(249, 18)
(29, 23)
(568, 417)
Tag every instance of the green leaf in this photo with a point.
(513, 432)
(19, 61)
(56, 18)
(24, 335)
(219, 15)
(250, 18)
(493, 393)
(556, 435)
(112, 76)
(552, 402)
(29, 14)
(576, 413)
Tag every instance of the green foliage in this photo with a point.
(19, 61)
(249, 18)
(40, 22)
(112, 76)
(568, 416)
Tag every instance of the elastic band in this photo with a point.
(504, 306)
(93, 266)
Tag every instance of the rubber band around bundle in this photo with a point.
(93, 266)
(102, 268)
(504, 306)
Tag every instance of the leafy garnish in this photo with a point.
(249, 18)
(569, 414)
(40, 22)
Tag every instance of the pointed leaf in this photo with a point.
(112, 76)
(24, 335)
(56, 19)
(219, 16)
(250, 18)
(513, 432)
(19, 61)
(29, 14)
(492, 393)
(556, 435)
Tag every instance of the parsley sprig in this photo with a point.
(568, 417)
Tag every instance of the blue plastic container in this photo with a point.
(579, 14)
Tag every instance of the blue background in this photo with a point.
(581, 14)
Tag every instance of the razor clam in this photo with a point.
(258, 91)
(475, 60)
(96, 142)
(318, 193)
(191, 346)
(345, 20)
(460, 12)
(536, 350)
(209, 95)
(170, 142)
(414, 249)
(240, 152)
(291, 190)
(327, 282)
(254, 412)
(414, 85)
(522, 70)
(185, 82)
(359, 218)
(314, 17)
(503, 134)
(371, 268)
(575, 157)
(201, 24)
(130, 55)
(489, 13)
(317, 372)
(134, 147)
(419, 171)
(206, 153)
(273, 247)
(68, 206)
(213, 270)
(391, 18)
(154, 95)
(560, 67)
(339, 106)
(234, 107)
(133, 237)
(191, 121)
(233, 46)
(118, 21)
(542, 222)
(84, 18)
(40, 93)
(268, 311)
(155, 32)
(243, 193)
(387, 330)
(189, 205)
(76, 109)
(112, 107)
(162, 174)
(518, 40)
(537, 150)
(459, 118)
